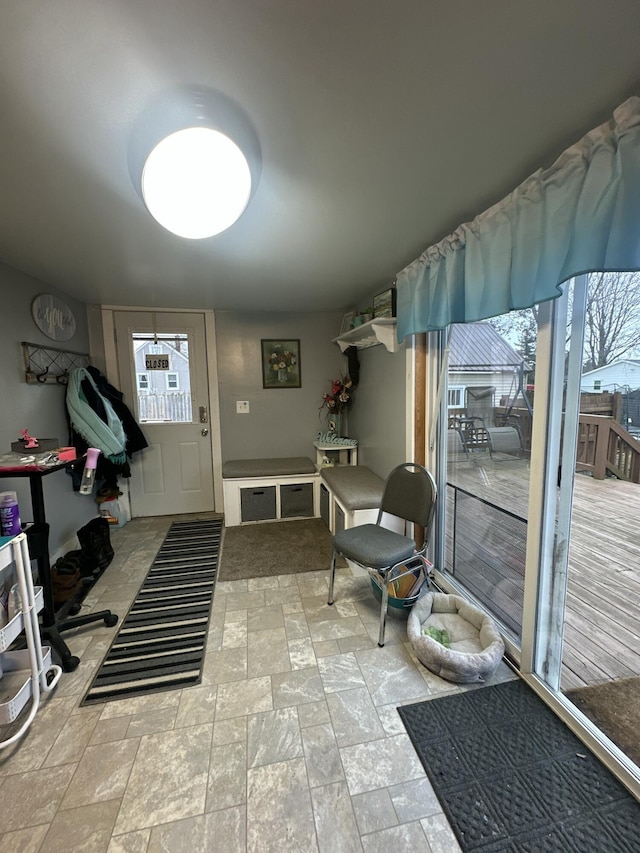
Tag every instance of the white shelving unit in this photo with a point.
(344, 454)
(377, 331)
(24, 673)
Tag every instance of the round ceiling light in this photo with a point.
(196, 182)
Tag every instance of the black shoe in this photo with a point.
(95, 543)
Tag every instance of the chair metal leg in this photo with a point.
(332, 574)
(383, 611)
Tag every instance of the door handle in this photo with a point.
(204, 431)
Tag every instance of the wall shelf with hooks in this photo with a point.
(50, 365)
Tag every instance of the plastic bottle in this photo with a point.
(89, 473)
(14, 602)
(112, 511)
(4, 610)
(9, 514)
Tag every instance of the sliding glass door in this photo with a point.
(539, 518)
(588, 648)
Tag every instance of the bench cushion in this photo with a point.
(284, 467)
(355, 486)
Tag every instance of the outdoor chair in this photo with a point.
(409, 495)
(506, 436)
(500, 442)
(474, 434)
(456, 450)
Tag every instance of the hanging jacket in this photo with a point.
(135, 440)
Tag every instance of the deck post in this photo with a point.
(602, 450)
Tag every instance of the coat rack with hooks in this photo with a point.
(50, 365)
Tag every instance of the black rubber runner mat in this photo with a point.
(161, 642)
(511, 776)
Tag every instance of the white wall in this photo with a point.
(378, 417)
(39, 408)
(281, 422)
(285, 422)
(503, 382)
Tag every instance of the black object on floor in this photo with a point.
(161, 642)
(511, 776)
(95, 545)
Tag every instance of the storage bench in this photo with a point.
(349, 495)
(269, 489)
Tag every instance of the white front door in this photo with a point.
(162, 361)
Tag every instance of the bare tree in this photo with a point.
(520, 329)
(612, 318)
(612, 323)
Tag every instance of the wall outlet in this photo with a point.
(242, 407)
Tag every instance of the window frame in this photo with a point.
(459, 390)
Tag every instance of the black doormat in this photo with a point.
(161, 642)
(511, 776)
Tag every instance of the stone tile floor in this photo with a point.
(292, 741)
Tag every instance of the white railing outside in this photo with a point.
(169, 406)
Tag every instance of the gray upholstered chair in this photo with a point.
(409, 494)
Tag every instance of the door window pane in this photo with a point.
(455, 397)
(164, 396)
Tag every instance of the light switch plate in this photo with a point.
(242, 407)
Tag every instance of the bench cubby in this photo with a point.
(257, 503)
(296, 500)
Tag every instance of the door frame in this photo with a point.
(102, 338)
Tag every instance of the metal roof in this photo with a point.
(481, 348)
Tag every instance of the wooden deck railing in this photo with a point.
(604, 446)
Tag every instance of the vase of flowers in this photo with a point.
(336, 402)
(334, 422)
(282, 362)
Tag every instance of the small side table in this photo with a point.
(345, 454)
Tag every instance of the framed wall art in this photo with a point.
(280, 363)
(347, 322)
(384, 304)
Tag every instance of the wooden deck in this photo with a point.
(602, 620)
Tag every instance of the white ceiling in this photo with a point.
(382, 126)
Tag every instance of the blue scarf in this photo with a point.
(108, 437)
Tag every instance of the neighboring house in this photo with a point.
(163, 394)
(483, 370)
(176, 378)
(622, 375)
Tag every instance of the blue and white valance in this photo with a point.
(581, 215)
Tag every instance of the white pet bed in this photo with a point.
(476, 647)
